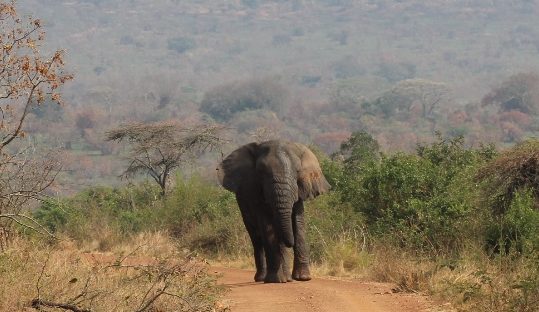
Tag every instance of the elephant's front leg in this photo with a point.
(255, 233)
(286, 263)
(274, 256)
(301, 270)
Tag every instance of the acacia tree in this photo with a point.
(159, 148)
(27, 80)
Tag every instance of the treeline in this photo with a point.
(456, 221)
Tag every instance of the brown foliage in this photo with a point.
(519, 92)
(514, 170)
(27, 79)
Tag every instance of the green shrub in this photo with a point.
(517, 230)
(202, 216)
(419, 201)
(52, 215)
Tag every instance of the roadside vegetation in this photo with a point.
(450, 220)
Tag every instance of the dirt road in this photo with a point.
(317, 295)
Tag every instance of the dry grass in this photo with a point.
(475, 282)
(149, 274)
(344, 257)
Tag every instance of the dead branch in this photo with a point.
(38, 303)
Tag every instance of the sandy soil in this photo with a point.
(316, 295)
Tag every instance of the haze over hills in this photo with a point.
(336, 66)
(469, 44)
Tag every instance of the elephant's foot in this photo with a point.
(286, 273)
(289, 278)
(260, 276)
(301, 272)
(277, 277)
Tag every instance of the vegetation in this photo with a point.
(159, 148)
(405, 75)
(147, 272)
(418, 219)
(63, 277)
(453, 215)
(27, 79)
(223, 102)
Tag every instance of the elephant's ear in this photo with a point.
(311, 180)
(238, 168)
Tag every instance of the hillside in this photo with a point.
(148, 60)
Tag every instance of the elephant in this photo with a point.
(271, 180)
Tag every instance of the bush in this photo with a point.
(202, 216)
(44, 277)
(330, 221)
(420, 201)
(514, 170)
(517, 230)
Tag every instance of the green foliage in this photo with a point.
(360, 149)
(517, 230)
(330, 221)
(421, 201)
(199, 214)
(52, 215)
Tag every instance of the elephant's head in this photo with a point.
(277, 172)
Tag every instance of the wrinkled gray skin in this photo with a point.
(271, 180)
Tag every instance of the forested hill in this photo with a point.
(313, 71)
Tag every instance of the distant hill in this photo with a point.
(338, 60)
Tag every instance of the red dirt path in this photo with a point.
(317, 295)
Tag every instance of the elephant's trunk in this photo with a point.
(282, 199)
(283, 192)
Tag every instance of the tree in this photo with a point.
(518, 93)
(27, 80)
(224, 101)
(360, 148)
(409, 94)
(159, 148)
